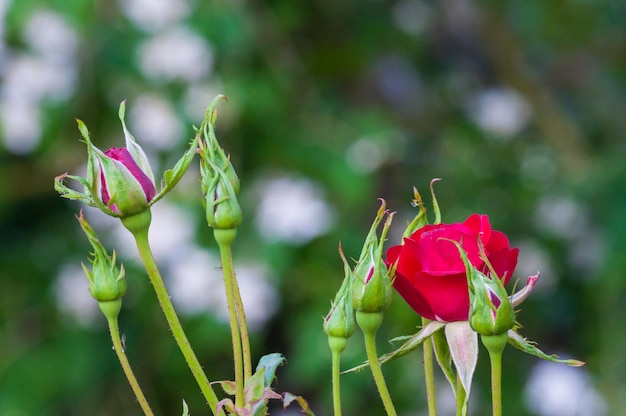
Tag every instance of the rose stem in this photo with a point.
(130, 376)
(429, 374)
(369, 324)
(337, 345)
(238, 327)
(495, 345)
(138, 226)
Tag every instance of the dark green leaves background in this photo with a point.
(364, 99)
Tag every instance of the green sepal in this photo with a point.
(413, 342)
(435, 203)
(185, 408)
(529, 347)
(133, 148)
(420, 219)
(172, 176)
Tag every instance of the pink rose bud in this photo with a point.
(124, 187)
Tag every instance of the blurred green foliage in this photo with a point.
(365, 99)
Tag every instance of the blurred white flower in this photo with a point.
(561, 216)
(500, 112)
(176, 54)
(292, 210)
(154, 120)
(153, 15)
(47, 34)
(366, 155)
(196, 285)
(532, 259)
(71, 290)
(21, 126)
(559, 390)
(45, 71)
(412, 16)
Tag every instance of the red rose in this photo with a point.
(430, 274)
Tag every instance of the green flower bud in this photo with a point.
(339, 322)
(106, 280)
(371, 285)
(491, 311)
(220, 183)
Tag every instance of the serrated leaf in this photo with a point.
(529, 347)
(270, 362)
(413, 342)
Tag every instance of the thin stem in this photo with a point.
(369, 323)
(337, 345)
(429, 374)
(496, 383)
(460, 396)
(130, 376)
(143, 245)
(225, 239)
(495, 345)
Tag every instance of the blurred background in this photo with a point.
(517, 105)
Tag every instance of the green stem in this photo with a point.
(369, 324)
(138, 226)
(130, 376)
(337, 345)
(460, 396)
(495, 345)
(225, 240)
(429, 374)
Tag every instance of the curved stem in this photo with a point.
(130, 376)
(225, 239)
(141, 238)
(337, 345)
(369, 324)
(429, 374)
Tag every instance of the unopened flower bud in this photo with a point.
(371, 286)
(491, 311)
(106, 280)
(220, 183)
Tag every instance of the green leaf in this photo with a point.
(228, 386)
(185, 408)
(413, 342)
(529, 347)
(255, 387)
(270, 363)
